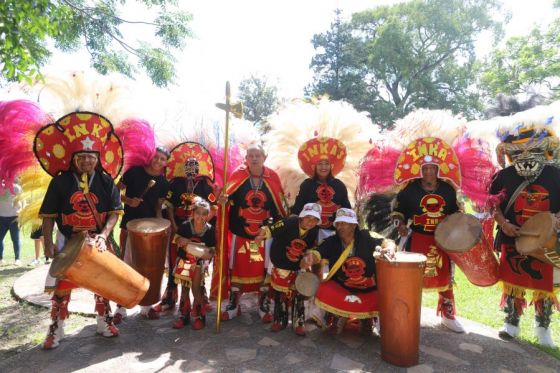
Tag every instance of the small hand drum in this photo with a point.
(307, 284)
(538, 238)
(199, 250)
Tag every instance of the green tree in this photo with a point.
(336, 73)
(418, 54)
(30, 28)
(259, 97)
(525, 64)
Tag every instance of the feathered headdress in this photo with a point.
(331, 129)
(82, 102)
(428, 137)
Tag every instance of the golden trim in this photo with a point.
(339, 312)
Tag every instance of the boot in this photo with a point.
(199, 317)
(280, 317)
(105, 326)
(298, 321)
(264, 305)
(120, 314)
(543, 312)
(513, 309)
(184, 319)
(233, 309)
(446, 308)
(59, 312)
(205, 300)
(168, 300)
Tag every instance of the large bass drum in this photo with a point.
(469, 244)
(99, 271)
(148, 241)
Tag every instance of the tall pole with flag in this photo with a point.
(237, 111)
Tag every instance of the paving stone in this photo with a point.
(471, 347)
(351, 340)
(268, 342)
(239, 333)
(87, 348)
(422, 368)
(294, 358)
(151, 364)
(442, 354)
(541, 369)
(308, 342)
(340, 362)
(240, 355)
(501, 370)
(198, 366)
(512, 346)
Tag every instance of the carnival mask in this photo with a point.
(191, 167)
(528, 161)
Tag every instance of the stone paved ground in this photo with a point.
(246, 345)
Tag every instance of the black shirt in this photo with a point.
(136, 180)
(65, 202)
(357, 273)
(331, 195)
(251, 209)
(288, 247)
(182, 199)
(543, 194)
(426, 209)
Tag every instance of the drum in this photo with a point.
(399, 284)
(470, 245)
(307, 283)
(100, 272)
(200, 250)
(148, 241)
(538, 239)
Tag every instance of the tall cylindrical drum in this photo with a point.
(148, 241)
(399, 283)
(101, 272)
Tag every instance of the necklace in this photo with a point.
(255, 186)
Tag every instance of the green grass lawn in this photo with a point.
(482, 305)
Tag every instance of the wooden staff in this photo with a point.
(237, 110)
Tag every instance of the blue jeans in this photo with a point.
(9, 223)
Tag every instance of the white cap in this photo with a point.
(311, 209)
(346, 215)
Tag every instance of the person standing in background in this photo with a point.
(9, 209)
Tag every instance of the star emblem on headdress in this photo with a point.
(87, 143)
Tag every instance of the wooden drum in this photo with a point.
(399, 283)
(148, 241)
(99, 271)
(470, 246)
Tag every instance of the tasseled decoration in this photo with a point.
(538, 296)
(377, 215)
(139, 143)
(516, 292)
(477, 169)
(19, 121)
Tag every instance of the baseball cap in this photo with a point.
(346, 215)
(311, 209)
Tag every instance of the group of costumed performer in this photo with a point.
(426, 173)
(83, 154)
(329, 139)
(527, 184)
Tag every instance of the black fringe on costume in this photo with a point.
(376, 213)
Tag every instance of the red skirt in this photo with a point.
(248, 263)
(335, 299)
(437, 274)
(283, 280)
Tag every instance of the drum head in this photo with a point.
(68, 255)
(541, 228)
(197, 250)
(458, 232)
(408, 257)
(307, 284)
(148, 225)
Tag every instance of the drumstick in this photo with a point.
(528, 233)
(151, 183)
